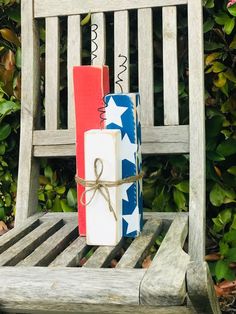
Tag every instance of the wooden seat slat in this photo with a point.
(103, 255)
(50, 248)
(140, 246)
(29, 243)
(72, 254)
(10, 238)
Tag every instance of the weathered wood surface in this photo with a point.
(74, 51)
(49, 249)
(103, 255)
(164, 281)
(140, 246)
(201, 289)
(145, 65)
(29, 243)
(54, 151)
(170, 66)
(158, 134)
(72, 254)
(68, 287)
(89, 309)
(17, 233)
(27, 197)
(43, 8)
(197, 206)
(121, 48)
(98, 39)
(52, 73)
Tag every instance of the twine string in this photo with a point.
(102, 186)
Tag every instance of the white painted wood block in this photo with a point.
(102, 227)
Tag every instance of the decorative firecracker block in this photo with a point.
(123, 112)
(103, 203)
(91, 84)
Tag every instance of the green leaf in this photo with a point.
(8, 200)
(230, 236)
(208, 25)
(48, 173)
(209, 46)
(86, 19)
(41, 197)
(227, 147)
(224, 248)
(214, 156)
(223, 271)
(2, 213)
(232, 170)
(60, 190)
(72, 198)
(2, 149)
(214, 126)
(232, 9)
(217, 195)
(57, 205)
(65, 207)
(5, 131)
(231, 255)
(183, 186)
(229, 26)
(179, 199)
(221, 18)
(209, 4)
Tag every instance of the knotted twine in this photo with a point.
(102, 186)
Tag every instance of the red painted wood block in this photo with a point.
(91, 84)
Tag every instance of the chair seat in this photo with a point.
(64, 280)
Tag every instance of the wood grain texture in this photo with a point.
(54, 151)
(197, 206)
(145, 65)
(170, 66)
(29, 243)
(52, 73)
(74, 51)
(49, 249)
(158, 288)
(160, 134)
(27, 198)
(67, 287)
(140, 246)
(201, 289)
(121, 48)
(93, 308)
(72, 254)
(98, 44)
(103, 255)
(43, 8)
(17, 233)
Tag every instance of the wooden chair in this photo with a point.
(176, 281)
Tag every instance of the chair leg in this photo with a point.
(201, 289)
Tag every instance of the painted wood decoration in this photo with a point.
(102, 162)
(123, 112)
(91, 83)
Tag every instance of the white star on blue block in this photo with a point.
(132, 220)
(114, 113)
(128, 149)
(125, 188)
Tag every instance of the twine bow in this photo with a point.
(102, 186)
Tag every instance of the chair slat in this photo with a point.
(29, 243)
(103, 255)
(197, 202)
(14, 235)
(54, 151)
(98, 39)
(170, 66)
(141, 244)
(44, 8)
(27, 183)
(145, 65)
(72, 254)
(74, 51)
(50, 248)
(121, 48)
(52, 75)
(164, 281)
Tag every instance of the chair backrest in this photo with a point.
(169, 138)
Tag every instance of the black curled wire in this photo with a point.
(94, 36)
(124, 68)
